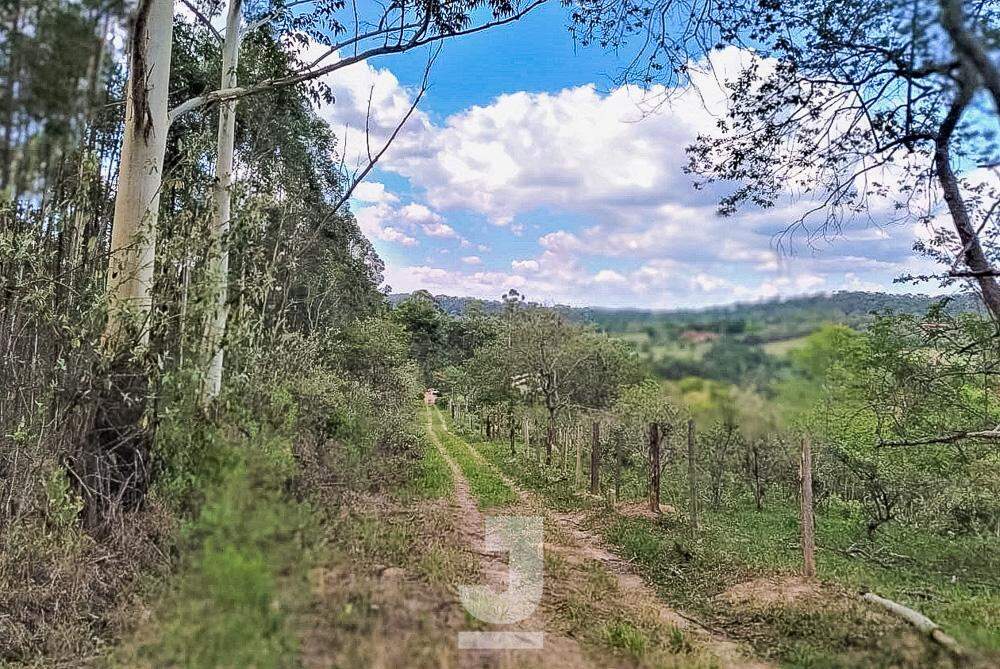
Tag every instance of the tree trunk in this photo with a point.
(692, 478)
(595, 459)
(218, 263)
(654, 467)
(918, 620)
(525, 436)
(808, 527)
(972, 251)
(550, 437)
(133, 232)
(618, 470)
(579, 458)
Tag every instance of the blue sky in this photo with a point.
(526, 167)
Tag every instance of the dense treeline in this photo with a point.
(756, 322)
(100, 463)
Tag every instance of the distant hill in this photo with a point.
(770, 320)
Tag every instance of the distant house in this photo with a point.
(430, 396)
(698, 336)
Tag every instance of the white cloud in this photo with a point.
(417, 213)
(609, 276)
(438, 280)
(391, 234)
(560, 241)
(600, 158)
(438, 230)
(472, 260)
(525, 265)
(372, 192)
(376, 222)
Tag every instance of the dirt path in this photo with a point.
(558, 651)
(584, 545)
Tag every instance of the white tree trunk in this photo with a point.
(218, 270)
(133, 232)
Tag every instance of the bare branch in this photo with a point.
(204, 20)
(373, 160)
(421, 39)
(273, 15)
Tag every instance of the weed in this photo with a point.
(624, 636)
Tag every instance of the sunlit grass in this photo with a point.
(489, 489)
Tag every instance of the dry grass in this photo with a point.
(62, 592)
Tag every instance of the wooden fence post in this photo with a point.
(692, 477)
(808, 522)
(595, 459)
(527, 437)
(618, 469)
(579, 456)
(565, 437)
(654, 467)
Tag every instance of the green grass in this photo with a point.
(781, 347)
(679, 351)
(489, 489)
(249, 549)
(741, 545)
(624, 636)
(432, 477)
(554, 485)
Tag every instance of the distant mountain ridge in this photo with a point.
(753, 322)
(848, 303)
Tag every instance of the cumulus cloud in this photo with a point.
(389, 222)
(640, 233)
(416, 213)
(472, 260)
(609, 276)
(391, 234)
(438, 230)
(372, 192)
(439, 280)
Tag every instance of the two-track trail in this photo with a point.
(558, 650)
(575, 561)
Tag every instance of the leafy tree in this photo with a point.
(737, 363)
(562, 363)
(425, 322)
(911, 406)
(821, 350)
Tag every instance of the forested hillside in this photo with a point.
(224, 441)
